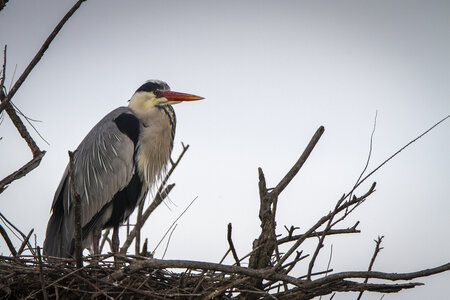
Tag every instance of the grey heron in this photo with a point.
(114, 167)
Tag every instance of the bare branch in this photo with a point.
(8, 241)
(25, 242)
(372, 261)
(77, 214)
(27, 168)
(395, 154)
(187, 264)
(41, 275)
(156, 201)
(322, 221)
(2, 80)
(230, 243)
(174, 224)
(318, 233)
(379, 275)
(39, 55)
(297, 166)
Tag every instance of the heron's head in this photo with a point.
(157, 93)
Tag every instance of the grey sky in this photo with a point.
(271, 73)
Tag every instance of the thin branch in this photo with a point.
(372, 261)
(370, 148)
(186, 264)
(27, 168)
(168, 241)
(156, 201)
(25, 242)
(318, 233)
(230, 243)
(2, 80)
(39, 55)
(41, 275)
(77, 214)
(297, 166)
(8, 241)
(395, 154)
(324, 219)
(379, 275)
(8, 223)
(174, 223)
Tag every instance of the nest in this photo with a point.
(27, 277)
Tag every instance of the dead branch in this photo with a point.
(39, 55)
(159, 198)
(174, 224)
(230, 243)
(378, 275)
(8, 241)
(25, 242)
(319, 233)
(372, 261)
(6, 221)
(77, 215)
(27, 168)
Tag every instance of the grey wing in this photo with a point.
(103, 165)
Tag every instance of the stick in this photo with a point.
(77, 215)
(230, 243)
(39, 54)
(374, 256)
(8, 241)
(41, 274)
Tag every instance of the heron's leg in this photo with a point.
(96, 233)
(115, 240)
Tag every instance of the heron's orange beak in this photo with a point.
(176, 96)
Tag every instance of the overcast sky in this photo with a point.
(272, 72)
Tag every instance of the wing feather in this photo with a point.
(103, 166)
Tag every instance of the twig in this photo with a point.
(156, 201)
(39, 54)
(27, 168)
(186, 264)
(8, 241)
(173, 224)
(395, 154)
(168, 241)
(322, 237)
(41, 274)
(370, 148)
(379, 275)
(318, 233)
(374, 256)
(6, 221)
(137, 239)
(2, 80)
(297, 166)
(77, 214)
(230, 243)
(25, 242)
(322, 221)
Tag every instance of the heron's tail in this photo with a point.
(57, 241)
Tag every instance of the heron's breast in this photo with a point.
(154, 148)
